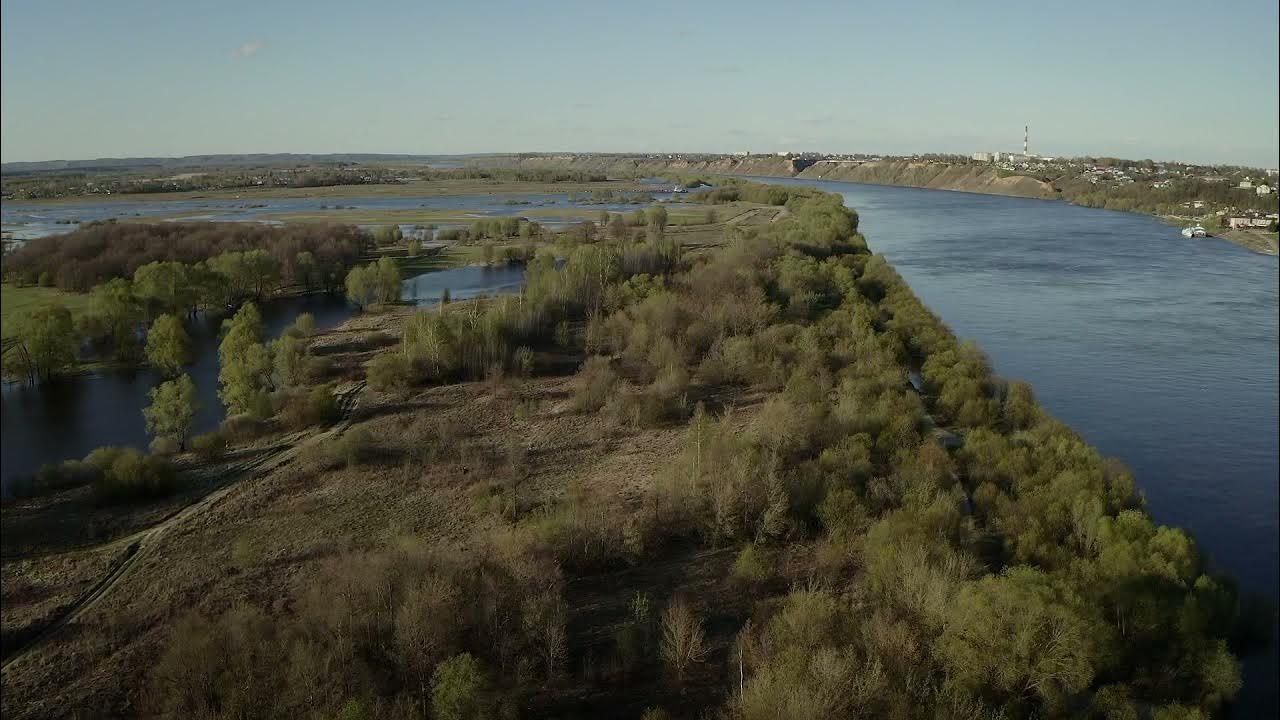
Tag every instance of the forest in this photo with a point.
(103, 251)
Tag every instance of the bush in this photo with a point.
(59, 476)
(318, 406)
(390, 372)
(353, 447)
(595, 383)
(752, 568)
(242, 428)
(211, 444)
(133, 476)
(683, 640)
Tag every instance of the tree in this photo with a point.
(290, 359)
(657, 216)
(305, 324)
(115, 312)
(168, 345)
(166, 286)
(1015, 633)
(307, 269)
(246, 364)
(389, 280)
(172, 409)
(458, 689)
(415, 246)
(683, 640)
(362, 286)
(48, 339)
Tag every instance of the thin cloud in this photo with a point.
(248, 49)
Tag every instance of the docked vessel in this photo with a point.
(1195, 231)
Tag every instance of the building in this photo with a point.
(1263, 189)
(1248, 222)
(986, 157)
(1246, 183)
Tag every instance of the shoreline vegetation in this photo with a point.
(669, 480)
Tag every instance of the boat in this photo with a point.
(679, 189)
(1195, 231)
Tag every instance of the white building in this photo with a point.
(986, 157)
(1263, 190)
(1246, 183)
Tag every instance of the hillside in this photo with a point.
(922, 174)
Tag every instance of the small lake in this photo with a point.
(70, 417)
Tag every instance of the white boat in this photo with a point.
(679, 189)
(1194, 232)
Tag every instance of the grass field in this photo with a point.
(14, 300)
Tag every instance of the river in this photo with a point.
(1160, 350)
(72, 416)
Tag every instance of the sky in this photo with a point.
(1171, 80)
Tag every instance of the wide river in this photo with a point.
(1161, 351)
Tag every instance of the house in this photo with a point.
(1246, 183)
(1263, 190)
(1247, 222)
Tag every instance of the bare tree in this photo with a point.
(683, 640)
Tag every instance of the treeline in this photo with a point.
(1000, 569)
(79, 183)
(76, 261)
(539, 175)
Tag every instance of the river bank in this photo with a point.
(922, 174)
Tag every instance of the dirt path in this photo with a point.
(143, 543)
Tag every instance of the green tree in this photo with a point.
(1016, 633)
(165, 286)
(172, 409)
(290, 359)
(458, 689)
(168, 344)
(362, 286)
(48, 339)
(657, 216)
(246, 364)
(388, 279)
(115, 314)
(307, 269)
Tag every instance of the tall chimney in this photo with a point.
(1026, 137)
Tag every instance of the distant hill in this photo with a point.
(217, 161)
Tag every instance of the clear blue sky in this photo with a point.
(1169, 80)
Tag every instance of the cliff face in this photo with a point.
(937, 176)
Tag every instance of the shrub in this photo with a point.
(59, 476)
(595, 383)
(318, 406)
(390, 372)
(353, 447)
(133, 476)
(243, 428)
(211, 444)
(752, 568)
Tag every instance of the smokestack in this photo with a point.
(1026, 139)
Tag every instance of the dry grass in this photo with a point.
(451, 466)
